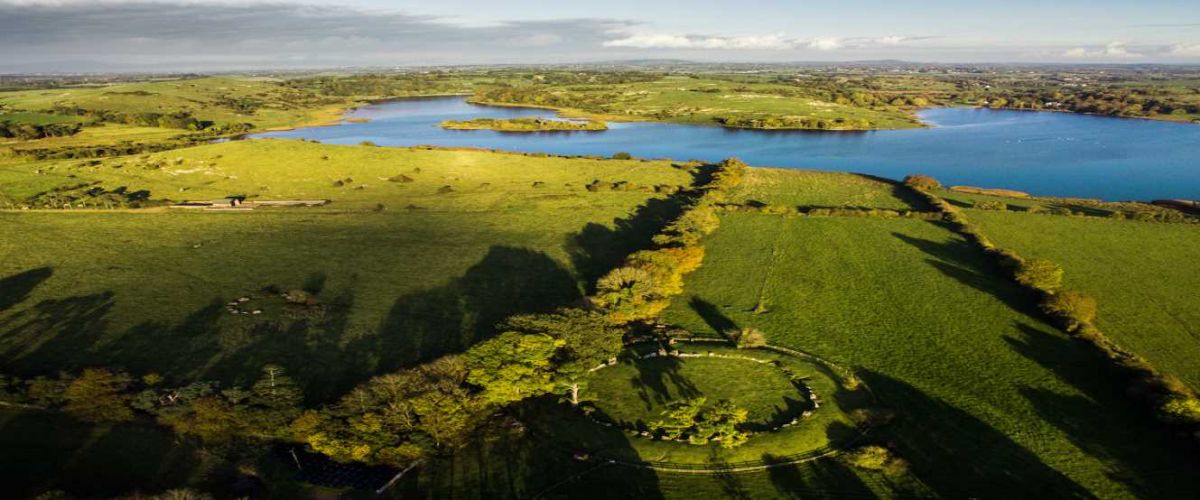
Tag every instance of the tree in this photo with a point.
(1041, 274)
(1180, 409)
(922, 182)
(1077, 308)
(877, 458)
(679, 418)
(720, 423)
(512, 366)
(98, 396)
(210, 418)
(589, 341)
(274, 400)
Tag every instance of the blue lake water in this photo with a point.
(1057, 154)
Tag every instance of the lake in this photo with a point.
(1043, 153)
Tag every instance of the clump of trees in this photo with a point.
(692, 421)
(922, 182)
(643, 285)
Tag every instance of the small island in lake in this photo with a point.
(524, 125)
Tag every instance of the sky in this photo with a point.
(184, 35)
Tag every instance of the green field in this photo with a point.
(816, 189)
(703, 101)
(425, 275)
(416, 253)
(1139, 272)
(987, 393)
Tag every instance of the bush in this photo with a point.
(922, 182)
(1075, 307)
(877, 458)
(1041, 274)
(991, 205)
(1180, 409)
(747, 338)
(621, 155)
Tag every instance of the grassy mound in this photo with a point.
(633, 394)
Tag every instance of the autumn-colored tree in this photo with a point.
(98, 396)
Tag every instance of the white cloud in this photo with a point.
(1185, 50)
(1113, 50)
(825, 43)
(754, 42)
(669, 41)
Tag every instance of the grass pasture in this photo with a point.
(703, 101)
(817, 189)
(992, 402)
(1143, 275)
(428, 274)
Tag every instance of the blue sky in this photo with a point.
(212, 34)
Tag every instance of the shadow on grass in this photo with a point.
(561, 455)
(712, 316)
(45, 451)
(902, 193)
(654, 376)
(596, 249)
(957, 455)
(16, 288)
(467, 310)
(960, 260)
(824, 478)
(1104, 422)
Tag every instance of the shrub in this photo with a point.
(922, 182)
(877, 458)
(1061, 211)
(869, 418)
(1041, 274)
(445, 190)
(1180, 409)
(991, 205)
(1075, 307)
(747, 338)
(622, 155)
(368, 143)
(400, 178)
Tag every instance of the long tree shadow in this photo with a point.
(596, 249)
(957, 455)
(712, 315)
(16, 288)
(1104, 422)
(902, 193)
(451, 318)
(49, 336)
(959, 259)
(825, 478)
(46, 451)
